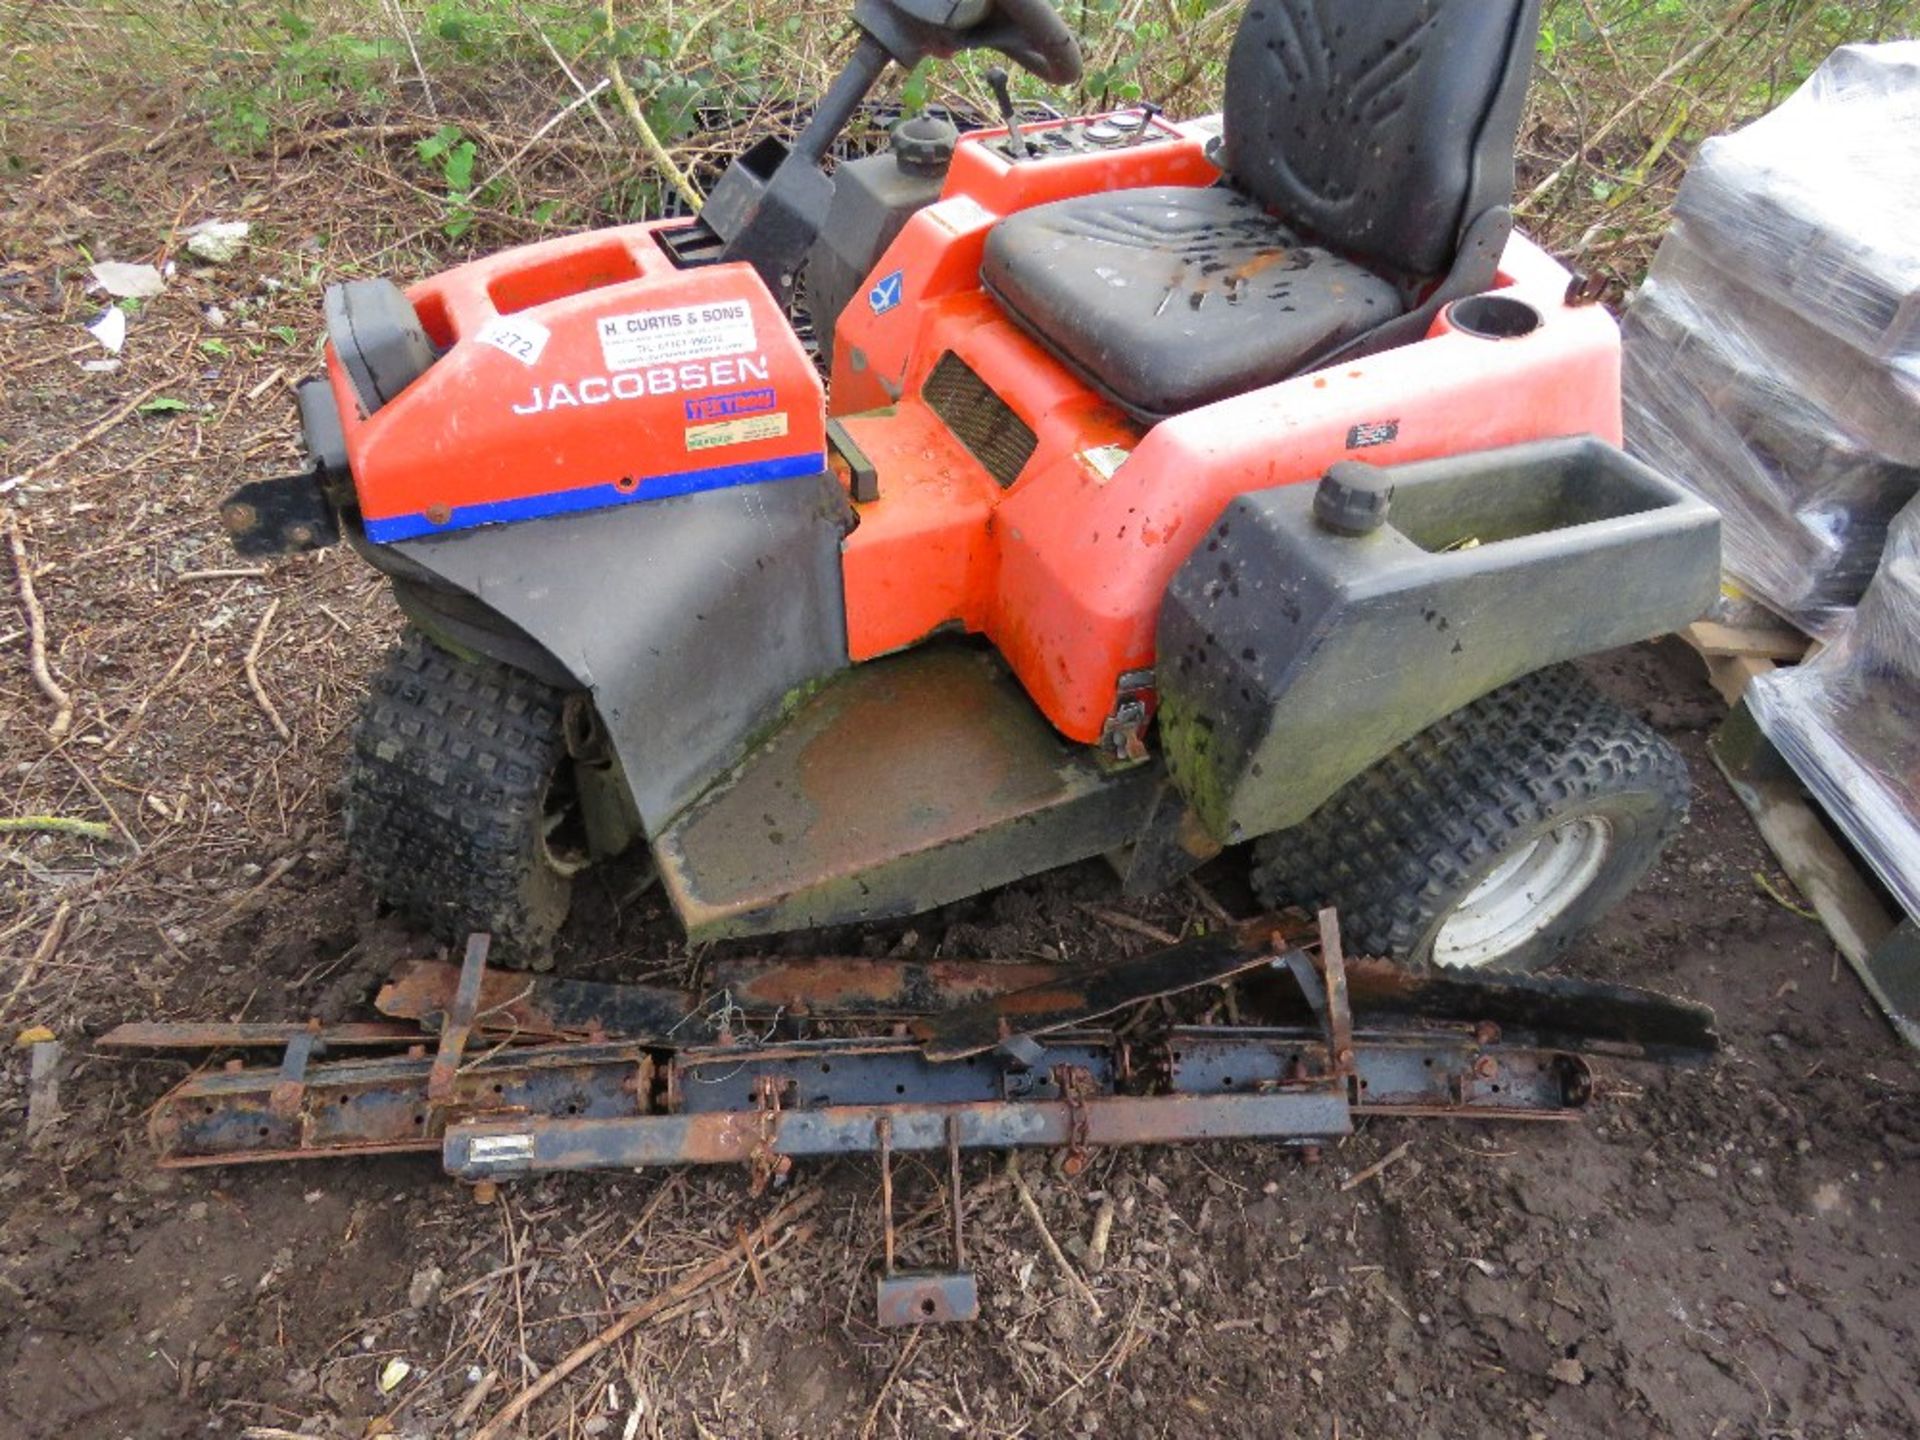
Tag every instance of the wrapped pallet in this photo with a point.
(1773, 356)
(1846, 720)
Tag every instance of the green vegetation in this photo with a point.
(482, 105)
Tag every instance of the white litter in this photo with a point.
(110, 329)
(128, 282)
(216, 241)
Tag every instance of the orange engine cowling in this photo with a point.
(580, 373)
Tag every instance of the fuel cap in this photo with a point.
(1102, 133)
(1352, 498)
(924, 144)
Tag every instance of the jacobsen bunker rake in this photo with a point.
(1178, 485)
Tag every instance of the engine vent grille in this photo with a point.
(980, 419)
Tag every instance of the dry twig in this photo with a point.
(252, 667)
(73, 447)
(249, 898)
(1059, 1256)
(1120, 920)
(406, 34)
(1590, 142)
(1359, 1178)
(873, 1411)
(630, 103)
(42, 953)
(701, 1277)
(37, 634)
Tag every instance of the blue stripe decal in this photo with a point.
(596, 497)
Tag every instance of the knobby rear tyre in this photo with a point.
(456, 769)
(1496, 837)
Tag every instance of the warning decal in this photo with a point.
(682, 332)
(737, 432)
(961, 214)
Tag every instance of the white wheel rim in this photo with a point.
(1524, 894)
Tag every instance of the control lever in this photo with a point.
(1017, 144)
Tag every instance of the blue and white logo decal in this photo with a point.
(884, 296)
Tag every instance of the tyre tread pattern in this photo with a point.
(1393, 845)
(446, 782)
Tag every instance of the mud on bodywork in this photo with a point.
(693, 621)
(1293, 656)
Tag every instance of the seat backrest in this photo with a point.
(1382, 127)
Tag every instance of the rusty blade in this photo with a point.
(543, 1007)
(1078, 996)
(376, 1105)
(1586, 1017)
(538, 1007)
(870, 988)
(195, 1035)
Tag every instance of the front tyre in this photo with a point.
(1493, 839)
(460, 803)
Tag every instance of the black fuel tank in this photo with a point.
(872, 201)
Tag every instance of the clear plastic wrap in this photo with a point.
(1772, 358)
(1816, 202)
(1846, 720)
(1807, 451)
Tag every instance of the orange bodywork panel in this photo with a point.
(581, 373)
(1065, 568)
(592, 371)
(938, 253)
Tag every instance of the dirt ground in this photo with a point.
(1717, 1253)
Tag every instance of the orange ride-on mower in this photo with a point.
(1178, 485)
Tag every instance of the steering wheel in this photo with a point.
(1027, 32)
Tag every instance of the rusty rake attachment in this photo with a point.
(1029, 1067)
(529, 1077)
(1021, 1068)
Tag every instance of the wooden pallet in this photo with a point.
(1734, 654)
(1881, 946)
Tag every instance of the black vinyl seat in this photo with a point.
(1173, 297)
(1367, 147)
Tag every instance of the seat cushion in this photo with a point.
(1382, 127)
(1168, 298)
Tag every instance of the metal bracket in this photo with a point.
(863, 481)
(1124, 735)
(282, 516)
(766, 1165)
(924, 1297)
(1339, 1012)
(459, 1022)
(291, 1086)
(1022, 1052)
